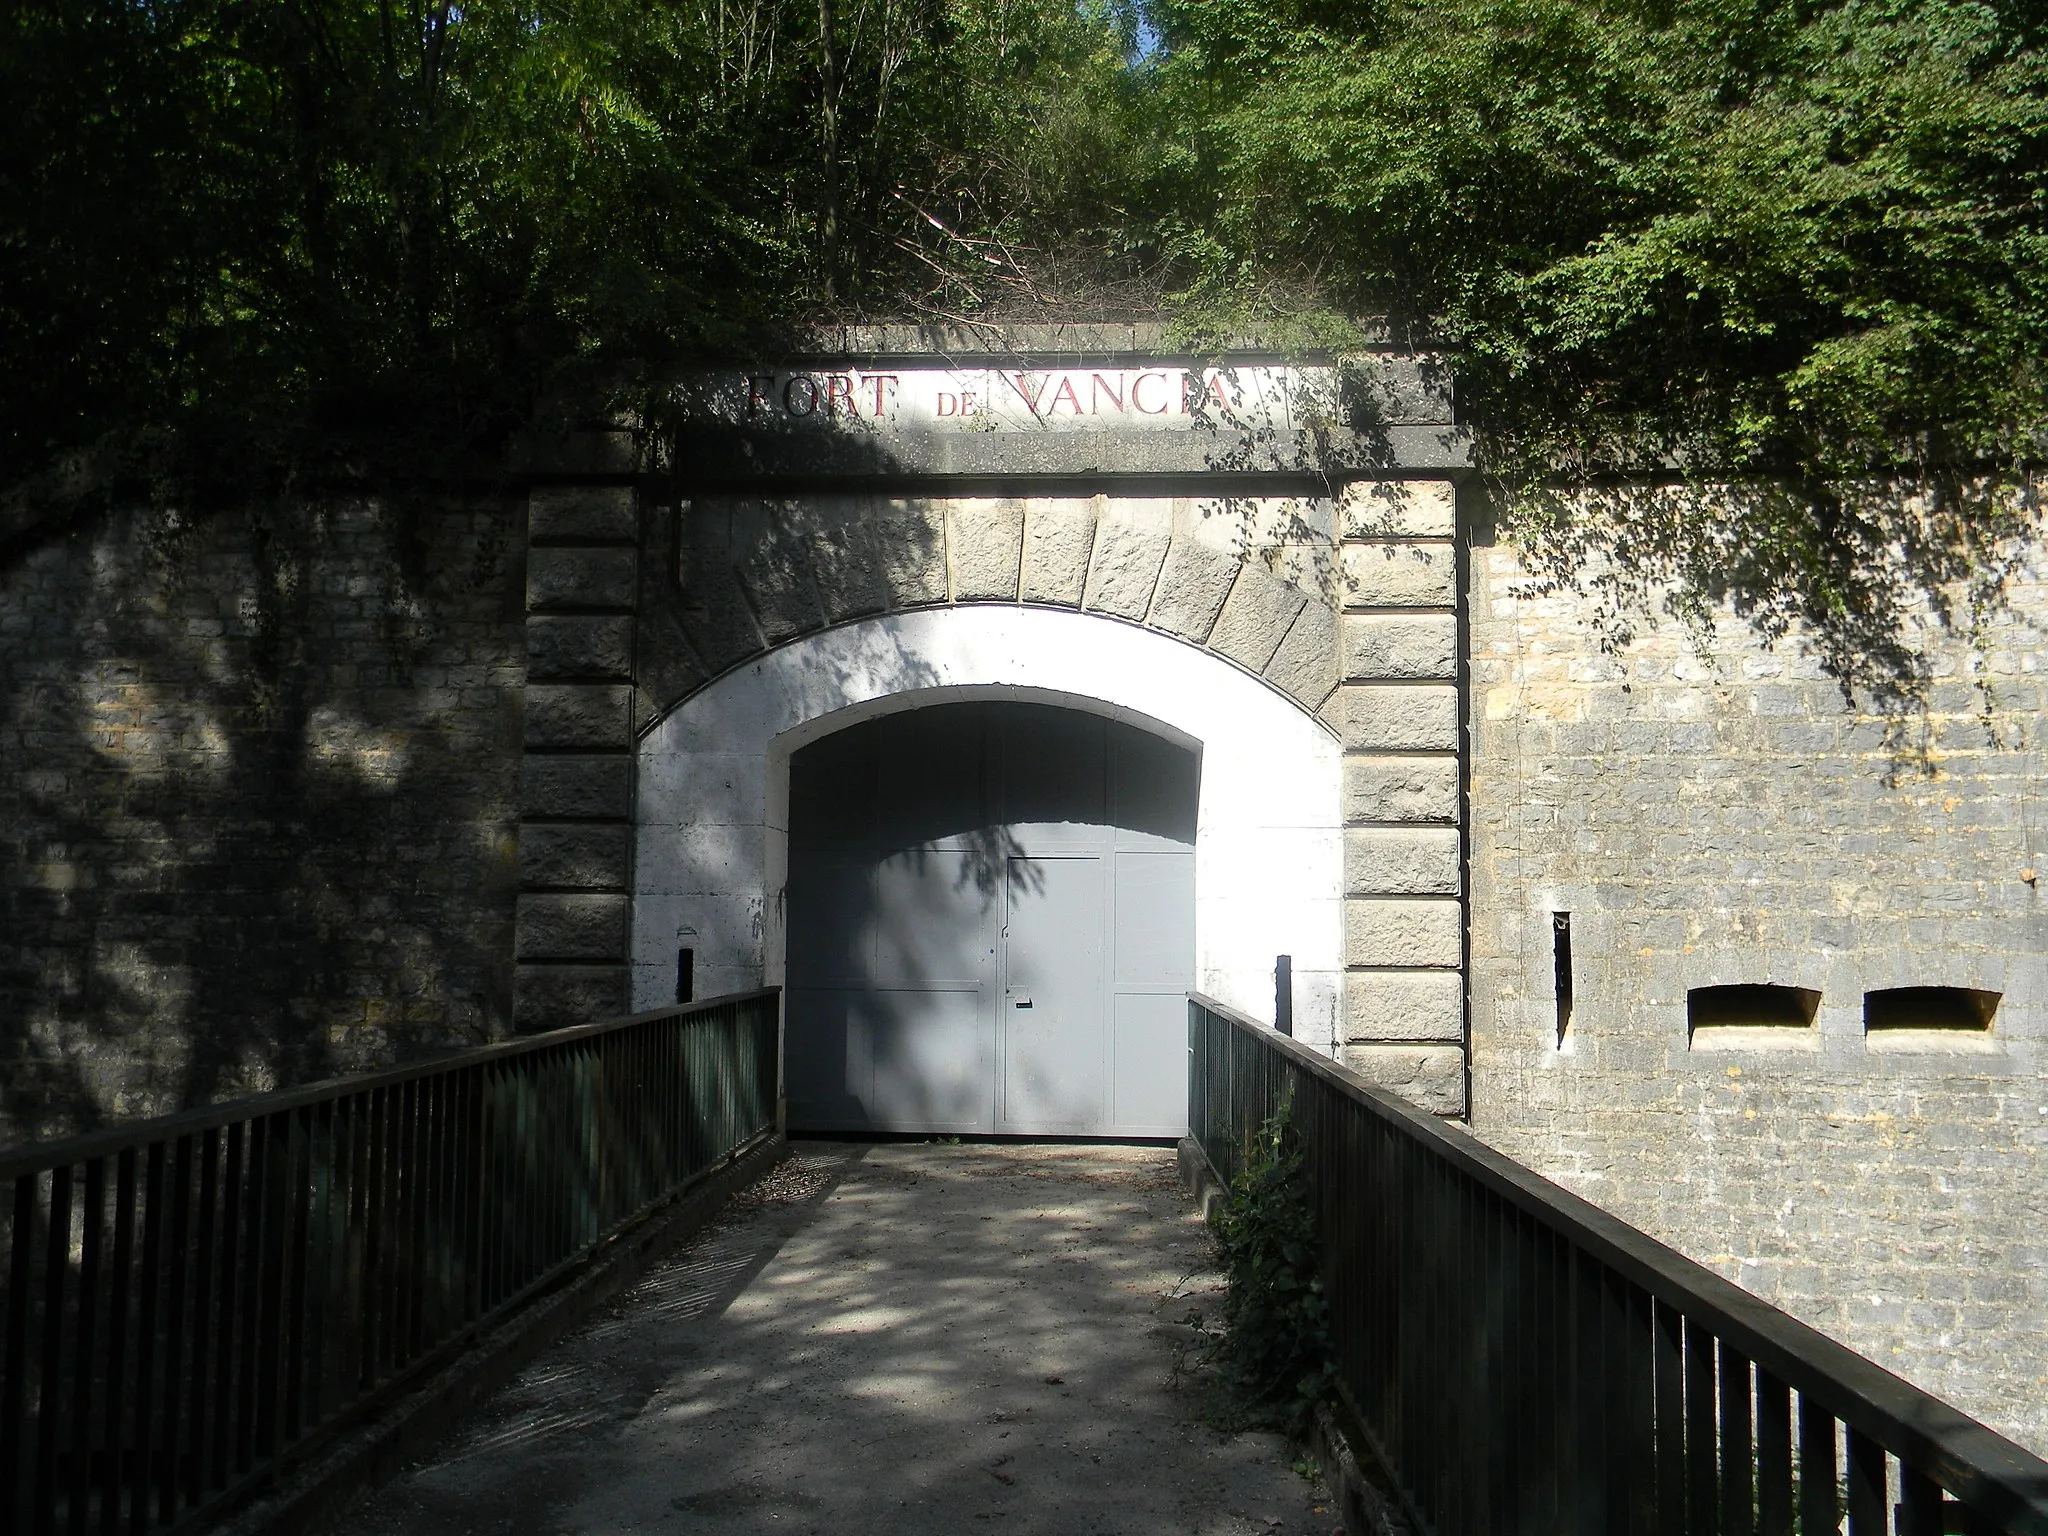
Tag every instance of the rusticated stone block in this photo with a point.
(1406, 933)
(1193, 583)
(1404, 1006)
(1059, 536)
(1256, 617)
(582, 858)
(1385, 509)
(909, 539)
(1400, 789)
(1394, 717)
(769, 554)
(594, 715)
(591, 514)
(985, 543)
(1400, 575)
(1305, 666)
(1419, 646)
(576, 787)
(1432, 1078)
(581, 578)
(1131, 536)
(845, 557)
(1401, 861)
(557, 996)
(579, 646)
(561, 926)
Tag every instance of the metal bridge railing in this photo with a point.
(1524, 1362)
(190, 1302)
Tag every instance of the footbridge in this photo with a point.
(241, 1317)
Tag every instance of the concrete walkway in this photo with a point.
(889, 1339)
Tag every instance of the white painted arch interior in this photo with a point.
(713, 786)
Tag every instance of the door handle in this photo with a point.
(1020, 1002)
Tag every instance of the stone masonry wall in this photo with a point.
(257, 797)
(1723, 818)
(1347, 605)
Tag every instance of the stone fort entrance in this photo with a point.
(1215, 599)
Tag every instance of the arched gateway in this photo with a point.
(989, 708)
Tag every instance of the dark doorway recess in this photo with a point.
(991, 925)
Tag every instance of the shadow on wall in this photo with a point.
(259, 801)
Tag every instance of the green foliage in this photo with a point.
(1792, 248)
(1274, 1350)
(245, 242)
(1747, 300)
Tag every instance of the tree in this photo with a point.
(1746, 299)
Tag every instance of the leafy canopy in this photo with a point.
(1788, 254)
(1747, 300)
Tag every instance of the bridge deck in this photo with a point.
(902, 1338)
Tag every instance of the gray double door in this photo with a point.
(991, 925)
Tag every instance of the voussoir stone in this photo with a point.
(1059, 537)
(985, 541)
(1131, 537)
(1193, 584)
(1256, 616)
(1305, 665)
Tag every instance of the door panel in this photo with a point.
(1149, 1065)
(1155, 933)
(902, 1059)
(950, 862)
(1053, 998)
(931, 922)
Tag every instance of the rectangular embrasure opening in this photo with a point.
(1747, 1016)
(1929, 1018)
(1561, 969)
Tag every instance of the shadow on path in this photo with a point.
(882, 1338)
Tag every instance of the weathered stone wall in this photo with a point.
(257, 800)
(1347, 605)
(1723, 818)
